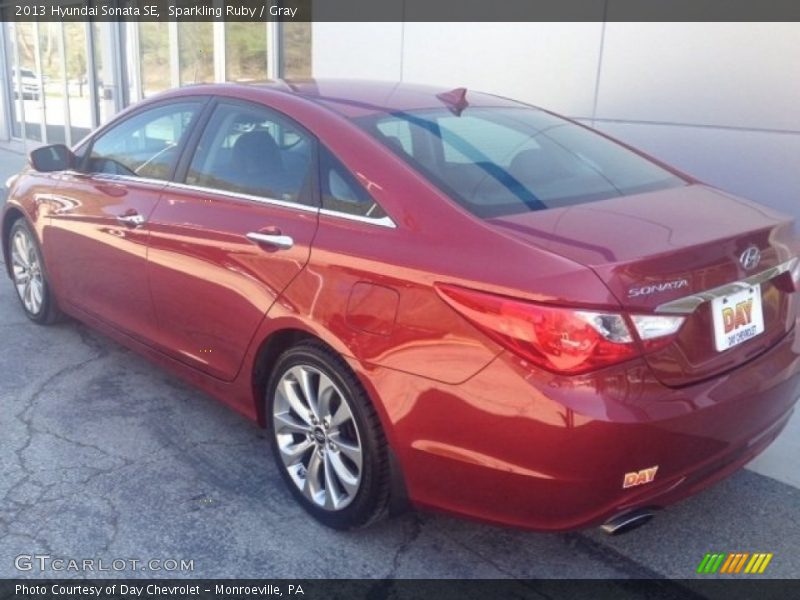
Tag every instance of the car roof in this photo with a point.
(353, 98)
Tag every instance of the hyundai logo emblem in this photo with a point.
(750, 258)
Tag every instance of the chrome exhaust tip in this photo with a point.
(628, 521)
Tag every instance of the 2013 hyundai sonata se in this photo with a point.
(437, 296)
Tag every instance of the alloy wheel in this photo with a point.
(317, 437)
(27, 270)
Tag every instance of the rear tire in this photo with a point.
(326, 438)
(30, 276)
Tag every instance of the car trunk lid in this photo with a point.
(654, 249)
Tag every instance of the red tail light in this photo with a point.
(563, 340)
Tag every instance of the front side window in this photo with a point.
(145, 145)
(252, 150)
(498, 161)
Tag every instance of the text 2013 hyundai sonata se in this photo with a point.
(441, 296)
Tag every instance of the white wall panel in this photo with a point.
(729, 74)
(357, 50)
(761, 166)
(553, 65)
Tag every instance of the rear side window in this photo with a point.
(397, 134)
(146, 144)
(252, 150)
(497, 161)
(341, 192)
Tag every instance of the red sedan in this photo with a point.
(437, 296)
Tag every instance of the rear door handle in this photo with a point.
(282, 242)
(131, 220)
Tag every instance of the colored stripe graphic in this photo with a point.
(728, 562)
(740, 564)
(754, 563)
(764, 564)
(734, 563)
(703, 563)
(713, 564)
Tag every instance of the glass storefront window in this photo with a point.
(103, 110)
(78, 92)
(27, 82)
(245, 51)
(51, 66)
(154, 58)
(296, 49)
(196, 52)
(52, 82)
(11, 71)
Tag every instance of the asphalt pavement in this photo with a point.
(105, 456)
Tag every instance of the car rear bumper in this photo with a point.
(530, 449)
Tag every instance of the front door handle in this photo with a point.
(282, 242)
(134, 220)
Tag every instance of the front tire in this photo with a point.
(29, 275)
(326, 438)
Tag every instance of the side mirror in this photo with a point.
(52, 158)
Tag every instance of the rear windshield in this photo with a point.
(499, 161)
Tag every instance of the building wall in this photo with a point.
(718, 100)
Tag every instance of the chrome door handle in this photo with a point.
(284, 242)
(131, 220)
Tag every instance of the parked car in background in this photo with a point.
(438, 295)
(29, 83)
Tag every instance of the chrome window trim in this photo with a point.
(116, 177)
(687, 304)
(241, 196)
(382, 222)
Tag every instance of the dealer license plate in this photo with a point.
(737, 317)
